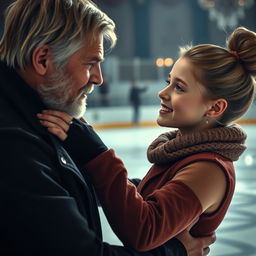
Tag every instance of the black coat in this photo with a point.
(47, 205)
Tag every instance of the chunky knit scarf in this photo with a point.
(172, 146)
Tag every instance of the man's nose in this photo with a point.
(96, 75)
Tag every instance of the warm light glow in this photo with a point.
(168, 62)
(160, 62)
(248, 160)
(210, 4)
(241, 2)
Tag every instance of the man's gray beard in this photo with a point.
(56, 95)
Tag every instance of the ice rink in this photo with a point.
(237, 234)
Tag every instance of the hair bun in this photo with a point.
(242, 42)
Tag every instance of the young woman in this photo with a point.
(192, 176)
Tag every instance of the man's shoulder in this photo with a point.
(22, 141)
(17, 132)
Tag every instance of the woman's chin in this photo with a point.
(162, 122)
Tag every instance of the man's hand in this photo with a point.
(196, 246)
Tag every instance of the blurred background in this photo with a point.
(150, 33)
(125, 107)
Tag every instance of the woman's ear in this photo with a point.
(217, 108)
(41, 59)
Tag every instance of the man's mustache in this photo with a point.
(87, 89)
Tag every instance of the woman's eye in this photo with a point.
(167, 82)
(179, 88)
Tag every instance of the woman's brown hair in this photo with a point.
(227, 73)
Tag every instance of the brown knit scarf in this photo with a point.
(170, 146)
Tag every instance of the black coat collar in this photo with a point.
(21, 96)
(26, 103)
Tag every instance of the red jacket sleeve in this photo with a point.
(141, 223)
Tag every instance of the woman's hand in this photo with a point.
(57, 122)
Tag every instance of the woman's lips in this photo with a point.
(165, 109)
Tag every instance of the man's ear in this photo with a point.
(41, 59)
(217, 108)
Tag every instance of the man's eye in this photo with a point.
(89, 65)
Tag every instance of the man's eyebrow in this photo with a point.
(96, 59)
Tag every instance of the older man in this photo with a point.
(51, 52)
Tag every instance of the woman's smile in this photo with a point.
(164, 109)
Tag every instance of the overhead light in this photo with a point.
(226, 12)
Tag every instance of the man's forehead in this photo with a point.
(95, 54)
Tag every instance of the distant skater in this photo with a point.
(135, 100)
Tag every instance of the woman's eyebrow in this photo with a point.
(182, 81)
(178, 79)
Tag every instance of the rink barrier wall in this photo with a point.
(152, 124)
(120, 117)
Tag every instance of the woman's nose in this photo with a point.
(163, 94)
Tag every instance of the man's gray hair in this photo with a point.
(63, 25)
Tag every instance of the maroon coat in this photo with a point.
(160, 207)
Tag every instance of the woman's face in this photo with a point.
(183, 100)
